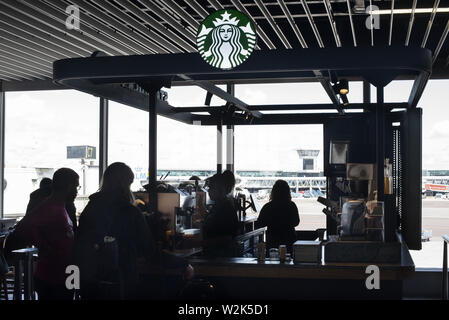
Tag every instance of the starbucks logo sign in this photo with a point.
(226, 39)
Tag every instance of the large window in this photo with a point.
(39, 127)
(183, 150)
(265, 153)
(128, 140)
(192, 148)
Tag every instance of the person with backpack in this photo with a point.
(20, 237)
(112, 235)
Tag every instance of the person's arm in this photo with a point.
(262, 219)
(294, 215)
(147, 247)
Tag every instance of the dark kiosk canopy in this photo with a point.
(110, 77)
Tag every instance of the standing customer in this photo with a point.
(280, 216)
(37, 196)
(221, 224)
(52, 234)
(110, 215)
(22, 236)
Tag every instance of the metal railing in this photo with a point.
(444, 286)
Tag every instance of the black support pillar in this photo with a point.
(103, 144)
(412, 215)
(230, 137)
(2, 149)
(152, 157)
(366, 94)
(220, 145)
(380, 142)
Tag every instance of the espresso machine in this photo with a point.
(351, 188)
(355, 190)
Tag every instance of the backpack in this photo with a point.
(13, 242)
(97, 254)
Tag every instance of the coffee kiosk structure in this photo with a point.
(381, 131)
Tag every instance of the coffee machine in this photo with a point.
(351, 186)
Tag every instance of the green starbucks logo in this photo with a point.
(226, 39)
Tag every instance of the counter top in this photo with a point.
(252, 268)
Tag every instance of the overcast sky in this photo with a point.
(39, 126)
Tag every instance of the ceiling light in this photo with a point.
(343, 87)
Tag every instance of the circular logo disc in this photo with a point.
(226, 38)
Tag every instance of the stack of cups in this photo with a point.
(375, 221)
(282, 253)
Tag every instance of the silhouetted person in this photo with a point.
(280, 216)
(220, 225)
(111, 213)
(37, 196)
(22, 237)
(188, 186)
(229, 181)
(44, 191)
(52, 234)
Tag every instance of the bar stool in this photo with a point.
(5, 289)
(23, 273)
(4, 277)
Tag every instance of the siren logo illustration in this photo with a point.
(226, 39)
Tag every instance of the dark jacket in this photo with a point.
(36, 197)
(109, 214)
(221, 221)
(280, 220)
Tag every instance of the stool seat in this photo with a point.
(25, 251)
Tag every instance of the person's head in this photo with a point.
(217, 187)
(65, 184)
(118, 177)
(280, 192)
(195, 178)
(45, 183)
(229, 180)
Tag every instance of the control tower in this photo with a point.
(308, 161)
